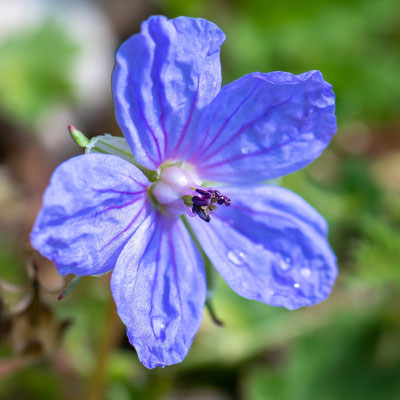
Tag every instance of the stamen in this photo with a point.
(205, 193)
(201, 213)
(206, 202)
(200, 201)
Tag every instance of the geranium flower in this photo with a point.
(135, 211)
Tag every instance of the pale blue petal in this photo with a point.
(164, 76)
(270, 245)
(92, 206)
(159, 287)
(264, 126)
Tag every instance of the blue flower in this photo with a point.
(101, 212)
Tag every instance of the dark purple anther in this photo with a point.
(205, 193)
(204, 204)
(201, 213)
(200, 201)
(215, 193)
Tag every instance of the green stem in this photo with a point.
(70, 287)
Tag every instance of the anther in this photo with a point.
(206, 202)
(205, 193)
(200, 201)
(201, 213)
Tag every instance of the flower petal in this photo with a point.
(159, 287)
(265, 125)
(268, 251)
(163, 77)
(92, 206)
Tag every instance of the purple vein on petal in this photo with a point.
(222, 128)
(160, 221)
(221, 238)
(143, 185)
(157, 79)
(157, 65)
(162, 123)
(241, 130)
(126, 228)
(117, 191)
(156, 222)
(323, 273)
(256, 213)
(252, 212)
(189, 120)
(205, 136)
(120, 206)
(140, 108)
(141, 258)
(241, 156)
(173, 260)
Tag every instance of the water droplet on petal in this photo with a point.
(305, 272)
(158, 325)
(285, 264)
(237, 257)
(312, 113)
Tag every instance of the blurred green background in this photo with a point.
(56, 59)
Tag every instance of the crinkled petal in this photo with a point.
(92, 206)
(162, 79)
(271, 246)
(159, 287)
(265, 125)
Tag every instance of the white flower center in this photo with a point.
(174, 183)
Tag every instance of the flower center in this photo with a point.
(178, 191)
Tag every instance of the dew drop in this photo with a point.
(237, 257)
(285, 264)
(305, 272)
(158, 325)
(312, 113)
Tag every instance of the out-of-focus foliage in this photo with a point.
(345, 348)
(350, 358)
(355, 43)
(376, 256)
(35, 71)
